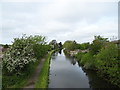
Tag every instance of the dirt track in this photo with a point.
(33, 79)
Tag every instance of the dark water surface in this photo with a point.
(66, 73)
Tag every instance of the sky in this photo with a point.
(61, 20)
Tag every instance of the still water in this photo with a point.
(65, 72)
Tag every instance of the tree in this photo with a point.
(97, 44)
(6, 46)
(70, 45)
(21, 53)
(60, 45)
(54, 44)
(84, 46)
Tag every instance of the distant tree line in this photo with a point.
(55, 45)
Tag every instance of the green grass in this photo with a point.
(43, 77)
(15, 81)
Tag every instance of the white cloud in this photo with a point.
(0, 23)
(86, 32)
(59, 19)
(61, 1)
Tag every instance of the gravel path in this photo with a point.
(33, 79)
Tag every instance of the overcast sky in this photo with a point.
(59, 19)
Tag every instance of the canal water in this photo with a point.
(65, 72)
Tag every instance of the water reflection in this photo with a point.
(65, 72)
(71, 59)
(95, 81)
(54, 55)
(60, 51)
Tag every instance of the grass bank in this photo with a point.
(19, 81)
(43, 77)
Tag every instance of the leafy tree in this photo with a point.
(70, 45)
(6, 46)
(54, 44)
(97, 44)
(40, 50)
(21, 53)
(84, 46)
(60, 45)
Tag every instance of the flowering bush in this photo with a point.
(21, 53)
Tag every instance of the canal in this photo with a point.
(65, 72)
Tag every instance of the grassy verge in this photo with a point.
(43, 77)
(19, 81)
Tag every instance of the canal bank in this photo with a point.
(42, 81)
(65, 72)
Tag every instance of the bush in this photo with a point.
(79, 56)
(21, 59)
(40, 50)
(20, 54)
(107, 57)
(108, 63)
(19, 81)
(97, 44)
(87, 61)
(6, 46)
(84, 46)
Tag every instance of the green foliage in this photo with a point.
(54, 44)
(70, 45)
(21, 58)
(60, 45)
(108, 63)
(21, 53)
(108, 55)
(88, 61)
(84, 46)
(97, 44)
(40, 50)
(19, 81)
(43, 77)
(6, 46)
(79, 56)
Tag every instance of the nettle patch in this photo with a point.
(21, 53)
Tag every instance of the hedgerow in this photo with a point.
(21, 53)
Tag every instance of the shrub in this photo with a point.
(84, 46)
(20, 54)
(40, 50)
(107, 57)
(97, 44)
(79, 56)
(108, 63)
(88, 61)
